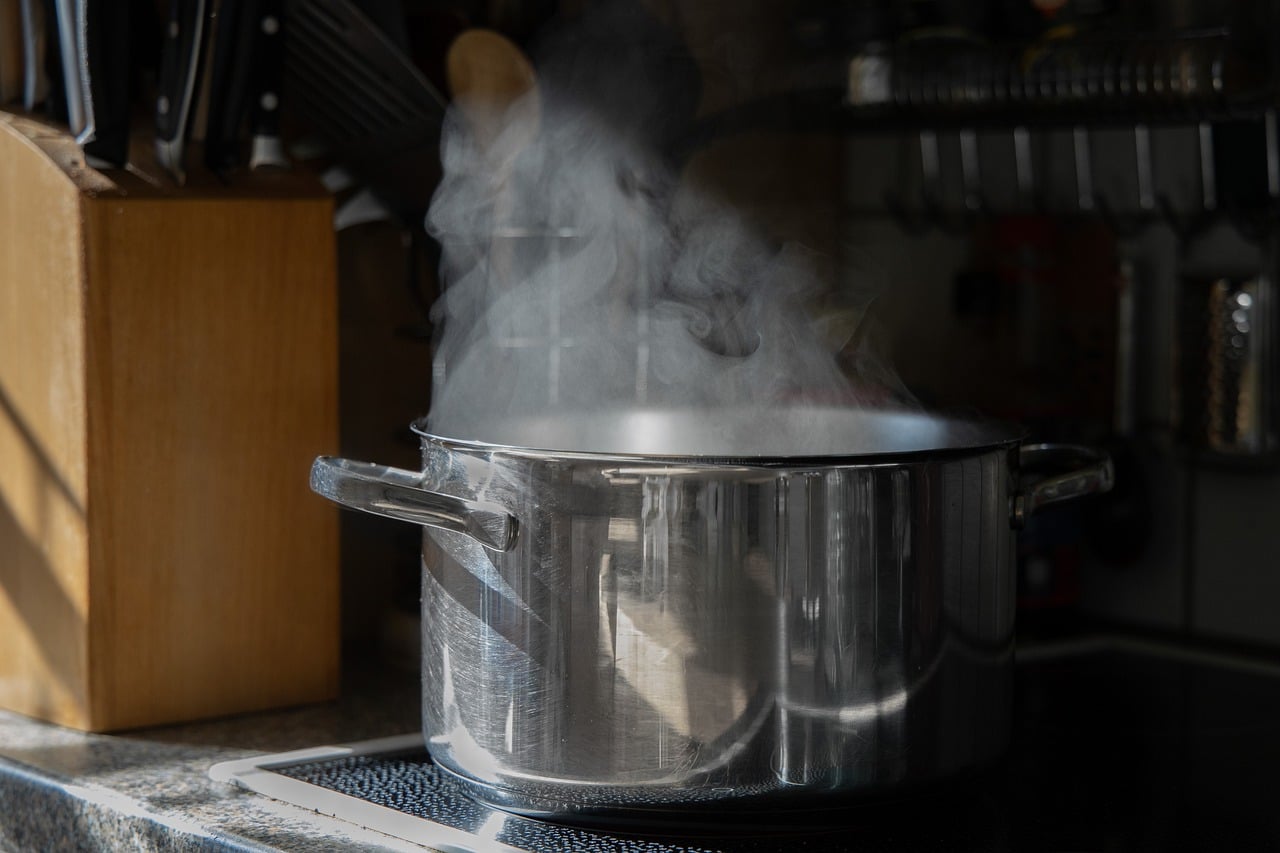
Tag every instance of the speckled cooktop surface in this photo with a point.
(408, 782)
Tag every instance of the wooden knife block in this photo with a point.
(168, 371)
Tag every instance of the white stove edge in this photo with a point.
(256, 775)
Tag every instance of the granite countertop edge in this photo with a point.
(63, 789)
(43, 811)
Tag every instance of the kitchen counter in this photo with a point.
(1119, 744)
(150, 789)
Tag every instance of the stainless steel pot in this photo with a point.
(687, 610)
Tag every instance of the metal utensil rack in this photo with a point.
(955, 85)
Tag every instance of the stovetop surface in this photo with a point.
(1116, 748)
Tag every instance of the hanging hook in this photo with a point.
(1145, 168)
(1150, 205)
(1187, 226)
(1208, 173)
(971, 172)
(1086, 195)
(930, 189)
(1273, 154)
(1023, 167)
(1257, 228)
(930, 171)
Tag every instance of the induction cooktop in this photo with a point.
(1118, 745)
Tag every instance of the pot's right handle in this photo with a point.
(1088, 472)
(397, 493)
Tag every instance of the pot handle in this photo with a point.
(397, 493)
(1089, 472)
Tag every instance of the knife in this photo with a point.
(71, 23)
(180, 54)
(106, 46)
(55, 102)
(228, 83)
(35, 82)
(247, 64)
(11, 52)
(268, 66)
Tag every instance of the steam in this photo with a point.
(581, 275)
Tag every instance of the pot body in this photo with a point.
(677, 633)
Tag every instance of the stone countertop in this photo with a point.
(149, 789)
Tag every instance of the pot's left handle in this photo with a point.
(1087, 472)
(397, 493)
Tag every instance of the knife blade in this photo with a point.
(71, 21)
(268, 67)
(55, 102)
(106, 56)
(180, 55)
(11, 52)
(35, 82)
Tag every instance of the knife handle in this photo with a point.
(268, 68)
(55, 103)
(107, 49)
(180, 55)
(228, 84)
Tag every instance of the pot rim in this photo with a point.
(966, 437)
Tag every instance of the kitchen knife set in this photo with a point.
(82, 60)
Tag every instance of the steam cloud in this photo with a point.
(581, 275)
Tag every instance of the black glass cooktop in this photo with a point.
(1118, 747)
